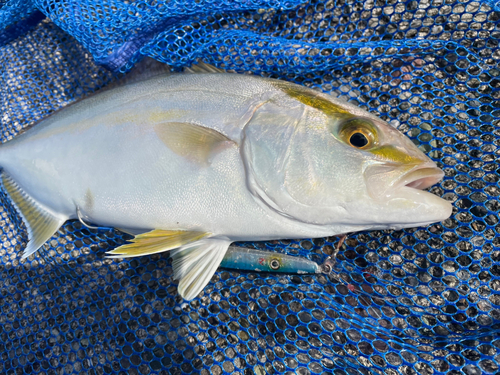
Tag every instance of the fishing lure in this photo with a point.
(242, 258)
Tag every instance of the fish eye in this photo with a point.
(358, 140)
(359, 133)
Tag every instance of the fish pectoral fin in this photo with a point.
(195, 264)
(155, 241)
(193, 142)
(40, 222)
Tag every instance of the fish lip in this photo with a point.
(383, 180)
(420, 177)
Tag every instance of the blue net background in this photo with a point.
(418, 301)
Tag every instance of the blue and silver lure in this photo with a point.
(243, 258)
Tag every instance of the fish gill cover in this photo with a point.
(416, 301)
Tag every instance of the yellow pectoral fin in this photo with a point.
(156, 241)
(194, 142)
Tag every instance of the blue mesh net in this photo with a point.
(416, 301)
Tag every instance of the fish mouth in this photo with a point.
(383, 180)
(421, 177)
(397, 192)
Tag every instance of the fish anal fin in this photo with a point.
(193, 142)
(40, 222)
(195, 264)
(155, 241)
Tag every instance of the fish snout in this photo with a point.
(421, 177)
(397, 192)
(382, 180)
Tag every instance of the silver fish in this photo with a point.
(190, 163)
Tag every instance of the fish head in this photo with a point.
(388, 175)
(334, 164)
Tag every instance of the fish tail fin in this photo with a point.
(40, 222)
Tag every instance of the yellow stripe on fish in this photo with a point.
(311, 99)
(393, 154)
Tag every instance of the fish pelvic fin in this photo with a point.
(195, 264)
(40, 222)
(155, 241)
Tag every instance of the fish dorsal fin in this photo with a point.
(195, 264)
(200, 67)
(194, 142)
(156, 241)
(41, 223)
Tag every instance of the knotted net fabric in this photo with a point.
(415, 301)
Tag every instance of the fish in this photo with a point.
(192, 162)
